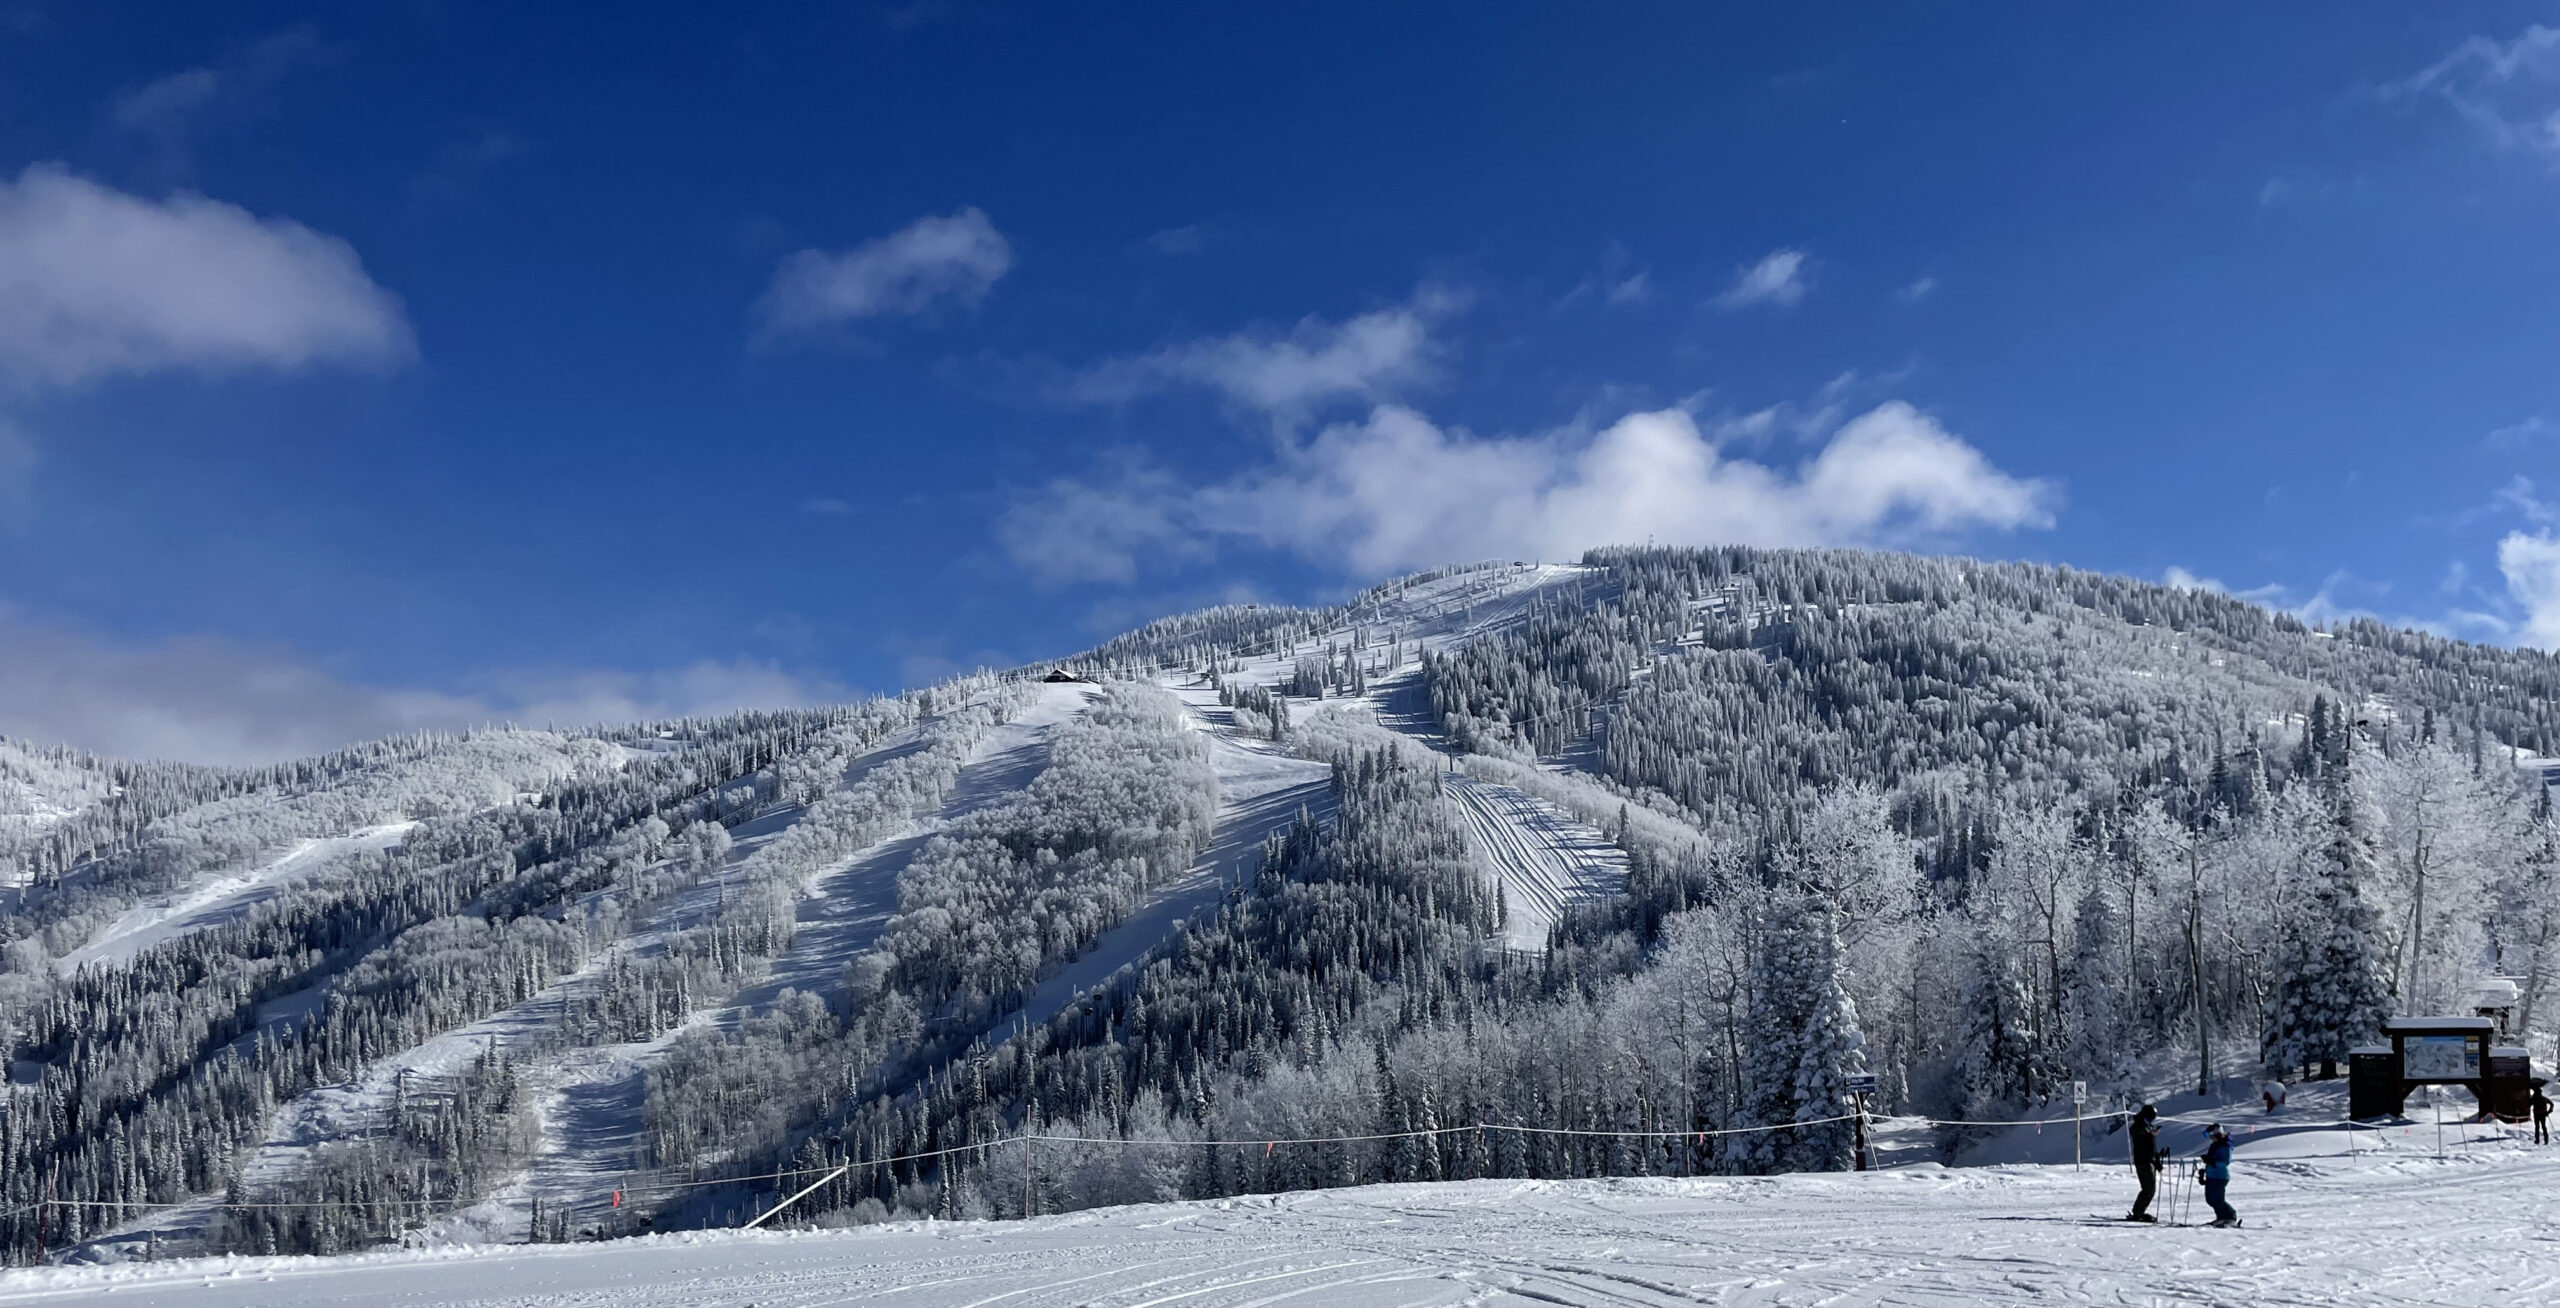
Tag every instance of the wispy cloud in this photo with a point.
(827, 506)
(1616, 283)
(1187, 240)
(1284, 374)
(2522, 435)
(99, 282)
(168, 110)
(957, 257)
(208, 700)
(1915, 291)
(1396, 490)
(1778, 278)
(2508, 90)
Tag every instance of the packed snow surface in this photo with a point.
(2389, 1228)
(1544, 863)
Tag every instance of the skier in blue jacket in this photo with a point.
(2217, 1175)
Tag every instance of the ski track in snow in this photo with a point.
(1545, 863)
(222, 897)
(2395, 1227)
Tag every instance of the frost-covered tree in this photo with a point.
(1804, 1040)
(2333, 996)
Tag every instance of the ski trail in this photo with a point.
(533, 1029)
(1544, 863)
(223, 897)
(593, 1099)
(1261, 790)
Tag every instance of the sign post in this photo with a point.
(2079, 1096)
(1862, 1084)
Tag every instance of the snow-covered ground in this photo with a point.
(223, 897)
(1545, 863)
(2395, 1226)
(1543, 860)
(37, 793)
(1434, 616)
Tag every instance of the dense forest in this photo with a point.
(1976, 829)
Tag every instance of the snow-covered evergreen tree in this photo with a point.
(2333, 996)
(1804, 1039)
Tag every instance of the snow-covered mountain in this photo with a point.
(1654, 850)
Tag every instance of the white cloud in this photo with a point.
(1187, 240)
(957, 257)
(206, 700)
(160, 106)
(2520, 435)
(1397, 491)
(2532, 567)
(169, 108)
(96, 282)
(1283, 374)
(1616, 283)
(2181, 579)
(1916, 291)
(1777, 279)
(2519, 497)
(2509, 90)
(1071, 531)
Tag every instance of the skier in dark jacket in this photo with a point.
(2541, 1115)
(2145, 1134)
(2217, 1175)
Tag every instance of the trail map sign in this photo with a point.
(1862, 1083)
(2439, 1058)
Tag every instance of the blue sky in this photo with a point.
(371, 367)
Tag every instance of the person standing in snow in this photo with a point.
(2217, 1175)
(2541, 1115)
(2145, 1135)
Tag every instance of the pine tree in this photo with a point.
(2333, 994)
(1807, 1042)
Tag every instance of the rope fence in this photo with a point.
(622, 1194)
(652, 1187)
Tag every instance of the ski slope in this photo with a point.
(593, 1098)
(224, 897)
(1261, 790)
(2398, 1227)
(1545, 863)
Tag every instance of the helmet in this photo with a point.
(2216, 1129)
(2148, 1110)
